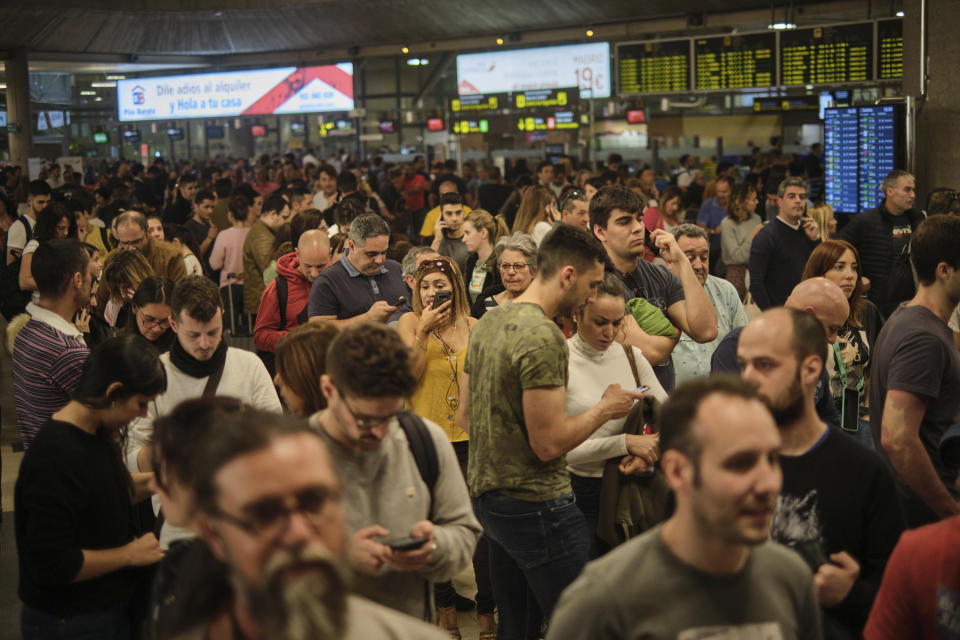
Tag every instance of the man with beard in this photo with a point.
(512, 399)
(709, 571)
(373, 445)
(271, 509)
(836, 508)
(828, 303)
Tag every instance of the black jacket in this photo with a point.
(871, 232)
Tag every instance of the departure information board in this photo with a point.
(736, 61)
(654, 67)
(823, 55)
(841, 159)
(861, 149)
(889, 49)
(878, 138)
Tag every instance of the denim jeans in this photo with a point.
(536, 550)
(587, 491)
(112, 624)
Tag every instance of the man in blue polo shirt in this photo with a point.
(363, 285)
(712, 213)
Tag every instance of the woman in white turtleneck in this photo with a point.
(596, 361)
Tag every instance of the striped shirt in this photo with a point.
(48, 358)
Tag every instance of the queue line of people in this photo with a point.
(526, 400)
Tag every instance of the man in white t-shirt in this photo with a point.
(17, 234)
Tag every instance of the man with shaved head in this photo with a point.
(828, 304)
(835, 508)
(284, 303)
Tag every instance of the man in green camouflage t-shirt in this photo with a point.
(513, 402)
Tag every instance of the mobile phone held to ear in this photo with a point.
(649, 244)
(405, 544)
(441, 297)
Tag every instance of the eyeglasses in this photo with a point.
(131, 243)
(519, 267)
(149, 321)
(366, 423)
(268, 518)
(440, 263)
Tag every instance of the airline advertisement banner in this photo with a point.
(258, 92)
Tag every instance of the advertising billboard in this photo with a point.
(577, 65)
(237, 93)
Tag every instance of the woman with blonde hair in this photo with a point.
(736, 234)
(437, 332)
(480, 234)
(537, 213)
(825, 219)
(123, 271)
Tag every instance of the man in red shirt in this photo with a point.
(920, 594)
(415, 187)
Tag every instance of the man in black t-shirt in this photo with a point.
(616, 220)
(835, 508)
(915, 377)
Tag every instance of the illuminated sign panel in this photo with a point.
(586, 66)
(237, 93)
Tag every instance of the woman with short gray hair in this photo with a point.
(516, 258)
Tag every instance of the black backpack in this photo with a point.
(423, 449)
(13, 301)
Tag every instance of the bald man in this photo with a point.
(828, 304)
(835, 508)
(284, 303)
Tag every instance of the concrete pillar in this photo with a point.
(938, 109)
(18, 108)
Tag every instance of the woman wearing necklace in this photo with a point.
(437, 332)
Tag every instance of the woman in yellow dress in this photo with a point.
(437, 332)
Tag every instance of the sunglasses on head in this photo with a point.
(440, 263)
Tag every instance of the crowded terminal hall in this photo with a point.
(610, 321)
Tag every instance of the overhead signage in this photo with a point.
(823, 55)
(889, 49)
(791, 103)
(557, 121)
(281, 90)
(586, 66)
(478, 102)
(538, 98)
(736, 61)
(653, 67)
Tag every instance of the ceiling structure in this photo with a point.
(224, 32)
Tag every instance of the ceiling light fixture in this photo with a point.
(405, 50)
(88, 93)
(782, 26)
(900, 13)
(589, 33)
(499, 40)
(116, 77)
(103, 85)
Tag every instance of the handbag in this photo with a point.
(631, 504)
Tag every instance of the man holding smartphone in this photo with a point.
(837, 506)
(781, 248)
(405, 535)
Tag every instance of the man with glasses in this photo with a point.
(199, 363)
(363, 284)
(404, 533)
(271, 509)
(130, 232)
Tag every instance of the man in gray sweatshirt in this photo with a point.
(404, 534)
